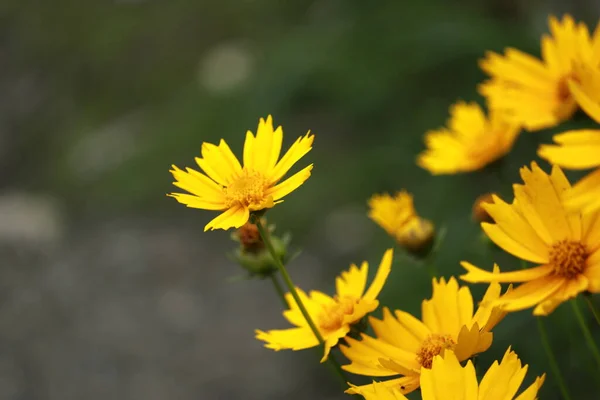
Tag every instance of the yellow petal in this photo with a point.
(332, 339)
(570, 289)
(577, 149)
(379, 391)
(532, 391)
(365, 355)
(502, 380)
(447, 378)
(293, 339)
(406, 384)
(585, 195)
(591, 107)
(219, 163)
(590, 235)
(391, 331)
(249, 151)
(352, 283)
(477, 275)
(313, 308)
(531, 293)
(417, 328)
(197, 184)
(381, 276)
(234, 217)
(262, 147)
(289, 185)
(298, 150)
(470, 341)
(592, 272)
(546, 198)
(449, 308)
(197, 202)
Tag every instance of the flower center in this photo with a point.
(248, 189)
(568, 258)
(433, 345)
(332, 316)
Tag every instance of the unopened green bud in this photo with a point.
(253, 255)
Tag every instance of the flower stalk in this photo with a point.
(587, 335)
(560, 381)
(292, 289)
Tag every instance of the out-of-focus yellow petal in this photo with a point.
(381, 276)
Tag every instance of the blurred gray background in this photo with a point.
(110, 290)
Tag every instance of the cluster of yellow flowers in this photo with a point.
(548, 223)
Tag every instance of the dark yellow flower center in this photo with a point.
(568, 258)
(432, 346)
(332, 316)
(247, 189)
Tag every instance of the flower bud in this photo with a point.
(479, 214)
(417, 236)
(253, 255)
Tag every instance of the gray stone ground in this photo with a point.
(136, 309)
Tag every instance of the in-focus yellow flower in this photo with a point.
(397, 216)
(406, 346)
(448, 379)
(333, 316)
(237, 190)
(469, 142)
(536, 227)
(580, 149)
(534, 92)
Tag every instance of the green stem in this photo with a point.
(592, 307)
(585, 330)
(279, 289)
(552, 360)
(292, 288)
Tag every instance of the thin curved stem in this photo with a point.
(292, 289)
(279, 289)
(552, 360)
(592, 307)
(585, 330)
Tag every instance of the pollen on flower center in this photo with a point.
(433, 345)
(247, 189)
(332, 316)
(568, 258)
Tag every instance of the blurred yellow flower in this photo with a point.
(333, 316)
(580, 149)
(536, 227)
(397, 216)
(406, 346)
(470, 141)
(535, 93)
(237, 190)
(448, 379)
(392, 213)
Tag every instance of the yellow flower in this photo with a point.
(470, 142)
(392, 213)
(333, 316)
(533, 92)
(536, 227)
(448, 379)
(406, 345)
(237, 190)
(397, 216)
(580, 149)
